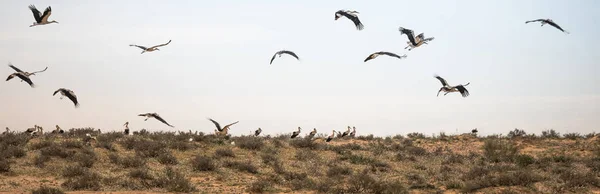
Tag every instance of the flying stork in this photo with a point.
(409, 33)
(24, 72)
(41, 19)
(296, 133)
(420, 39)
(281, 52)
(549, 22)
(225, 128)
(376, 54)
(155, 116)
(23, 76)
(69, 94)
(257, 132)
(350, 15)
(448, 89)
(154, 48)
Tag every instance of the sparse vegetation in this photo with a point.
(170, 162)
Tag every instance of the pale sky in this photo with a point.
(217, 65)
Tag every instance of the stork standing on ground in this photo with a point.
(347, 132)
(224, 130)
(296, 133)
(376, 54)
(353, 133)
(257, 132)
(449, 89)
(549, 22)
(474, 131)
(153, 48)
(58, 130)
(155, 116)
(31, 130)
(126, 132)
(6, 132)
(350, 15)
(69, 94)
(281, 52)
(23, 77)
(330, 137)
(41, 19)
(312, 133)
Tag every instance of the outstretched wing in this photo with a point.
(157, 117)
(556, 26)
(409, 33)
(391, 54)
(273, 58)
(161, 45)
(353, 17)
(538, 20)
(26, 79)
(36, 13)
(71, 95)
(428, 39)
(463, 91)
(15, 68)
(231, 124)
(290, 53)
(216, 124)
(444, 83)
(40, 71)
(142, 47)
(47, 14)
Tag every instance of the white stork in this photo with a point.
(69, 94)
(25, 72)
(279, 53)
(312, 133)
(155, 116)
(6, 132)
(257, 132)
(126, 132)
(347, 132)
(23, 76)
(350, 15)
(225, 128)
(420, 40)
(154, 48)
(549, 22)
(41, 19)
(376, 54)
(58, 130)
(329, 138)
(296, 133)
(353, 133)
(448, 89)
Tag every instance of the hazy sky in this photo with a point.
(217, 65)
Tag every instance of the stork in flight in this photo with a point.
(350, 15)
(281, 52)
(69, 94)
(154, 48)
(155, 116)
(448, 89)
(376, 54)
(23, 76)
(41, 19)
(25, 72)
(549, 22)
(225, 128)
(420, 40)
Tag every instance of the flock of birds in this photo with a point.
(412, 43)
